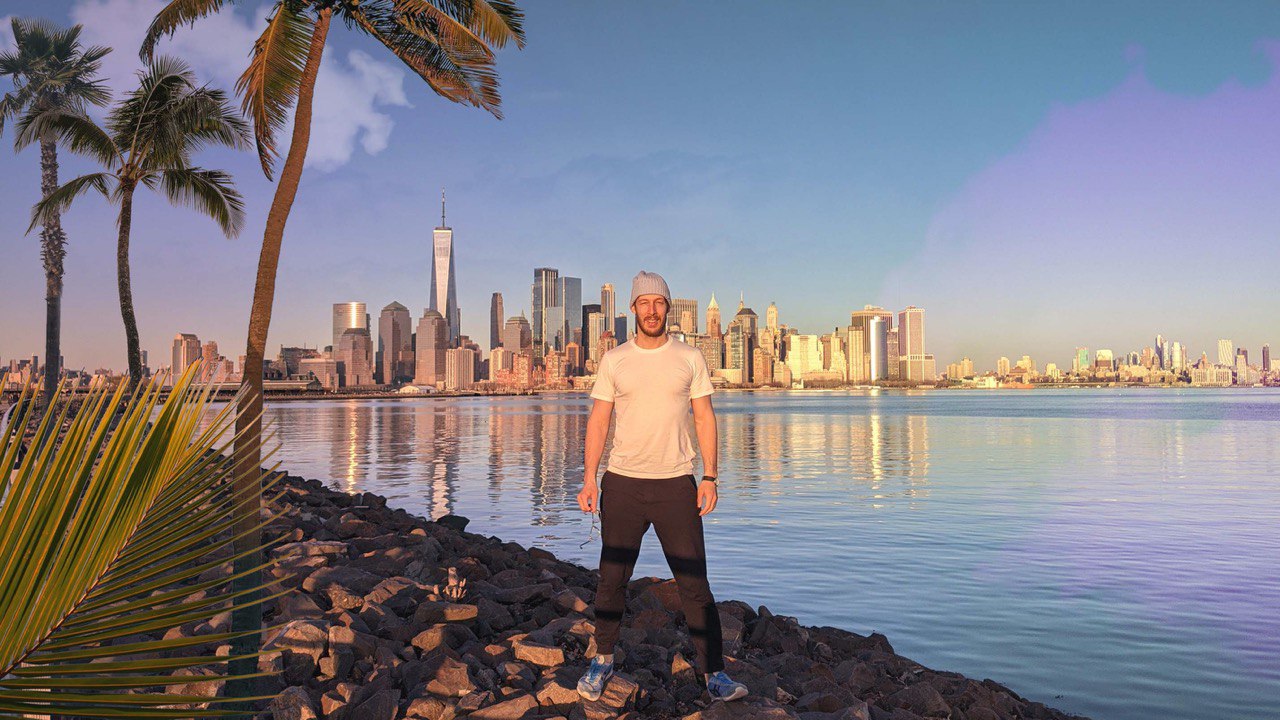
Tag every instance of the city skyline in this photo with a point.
(1136, 174)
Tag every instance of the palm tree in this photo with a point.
(448, 43)
(106, 529)
(149, 139)
(52, 75)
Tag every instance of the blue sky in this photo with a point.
(1037, 176)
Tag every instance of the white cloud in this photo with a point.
(350, 92)
(345, 109)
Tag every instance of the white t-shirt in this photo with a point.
(650, 391)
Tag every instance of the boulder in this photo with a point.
(538, 654)
(516, 707)
(454, 522)
(293, 703)
(451, 678)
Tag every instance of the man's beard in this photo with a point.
(662, 328)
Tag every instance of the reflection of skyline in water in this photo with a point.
(1093, 545)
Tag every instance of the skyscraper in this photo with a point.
(543, 297)
(1266, 357)
(569, 292)
(395, 345)
(353, 353)
(620, 330)
(713, 318)
(433, 340)
(348, 315)
(911, 344)
(870, 363)
(771, 318)
(1226, 352)
(495, 320)
(590, 334)
(186, 350)
(444, 285)
(684, 313)
(607, 301)
(516, 334)
(596, 329)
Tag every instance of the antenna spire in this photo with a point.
(442, 207)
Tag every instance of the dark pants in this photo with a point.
(628, 506)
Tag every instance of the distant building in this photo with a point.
(323, 369)
(911, 347)
(544, 297)
(620, 329)
(354, 353)
(496, 316)
(590, 332)
(684, 315)
(444, 284)
(432, 342)
(517, 334)
(186, 350)
(292, 357)
(607, 301)
(348, 315)
(459, 373)
(1266, 358)
(713, 318)
(395, 345)
(868, 344)
(803, 355)
(712, 349)
(1226, 352)
(1002, 367)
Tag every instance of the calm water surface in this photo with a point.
(1113, 553)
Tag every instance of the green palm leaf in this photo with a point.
(105, 530)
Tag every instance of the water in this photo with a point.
(1111, 553)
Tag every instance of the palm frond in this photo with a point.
(269, 86)
(463, 73)
(171, 17)
(209, 191)
(50, 71)
(497, 22)
(205, 117)
(99, 533)
(76, 132)
(57, 202)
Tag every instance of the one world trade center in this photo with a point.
(444, 286)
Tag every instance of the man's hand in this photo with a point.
(589, 498)
(707, 497)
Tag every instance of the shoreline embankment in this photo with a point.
(395, 616)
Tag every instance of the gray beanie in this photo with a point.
(647, 283)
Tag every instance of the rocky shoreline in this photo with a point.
(394, 616)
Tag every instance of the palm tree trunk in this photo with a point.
(248, 447)
(53, 248)
(126, 287)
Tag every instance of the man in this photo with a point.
(652, 382)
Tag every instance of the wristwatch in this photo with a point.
(709, 478)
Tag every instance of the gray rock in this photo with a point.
(454, 522)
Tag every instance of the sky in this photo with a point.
(1036, 176)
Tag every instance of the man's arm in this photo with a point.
(597, 431)
(704, 424)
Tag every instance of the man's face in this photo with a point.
(651, 315)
